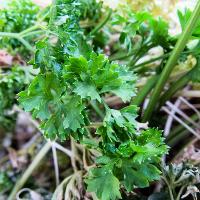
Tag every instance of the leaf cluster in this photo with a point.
(184, 18)
(11, 83)
(5, 183)
(15, 17)
(71, 76)
(152, 31)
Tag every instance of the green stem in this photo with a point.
(121, 56)
(33, 33)
(20, 183)
(172, 61)
(140, 67)
(17, 36)
(180, 83)
(101, 24)
(53, 12)
(141, 52)
(180, 193)
(36, 26)
(145, 90)
(32, 28)
(12, 35)
(152, 60)
(169, 188)
(173, 89)
(125, 55)
(26, 44)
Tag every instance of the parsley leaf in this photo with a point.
(104, 184)
(184, 18)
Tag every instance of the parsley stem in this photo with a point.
(140, 53)
(152, 81)
(174, 88)
(121, 56)
(101, 24)
(26, 44)
(152, 60)
(145, 90)
(172, 61)
(155, 59)
(169, 187)
(33, 33)
(36, 26)
(32, 28)
(17, 36)
(7, 34)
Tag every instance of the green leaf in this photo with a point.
(12, 81)
(103, 160)
(5, 182)
(184, 18)
(133, 178)
(17, 16)
(138, 175)
(104, 184)
(125, 92)
(73, 114)
(149, 145)
(50, 127)
(85, 90)
(29, 102)
(150, 171)
(114, 116)
(43, 112)
(43, 89)
(44, 59)
(130, 113)
(194, 74)
(160, 34)
(98, 75)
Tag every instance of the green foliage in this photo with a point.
(184, 18)
(5, 182)
(129, 155)
(11, 82)
(90, 9)
(152, 31)
(98, 76)
(102, 182)
(15, 17)
(18, 16)
(71, 76)
(194, 73)
(60, 97)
